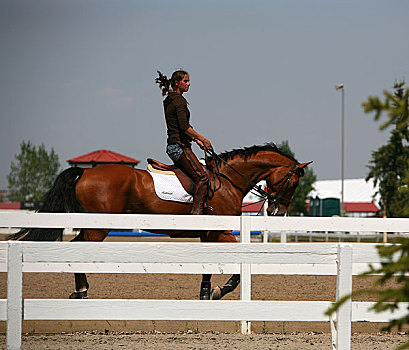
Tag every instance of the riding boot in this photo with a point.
(191, 166)
(199, 199)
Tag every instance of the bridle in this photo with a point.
(284, 184)
(273, 199)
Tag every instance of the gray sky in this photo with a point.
(78, 76)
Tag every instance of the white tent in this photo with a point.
(355, 190)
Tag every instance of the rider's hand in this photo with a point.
(200, 143)
(206, 143)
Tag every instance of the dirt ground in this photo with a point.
(188, 334)
(203, 341)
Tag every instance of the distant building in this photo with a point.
(4, 195)
(360, 198)
(10, 205)
(88, 160)
(251, 202)
(102, 156)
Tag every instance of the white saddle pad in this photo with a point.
(169, 188)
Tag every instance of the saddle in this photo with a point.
(186, 181)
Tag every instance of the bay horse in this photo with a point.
(114, 188)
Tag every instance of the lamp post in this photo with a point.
(341, 87)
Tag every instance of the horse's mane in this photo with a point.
(247, 152)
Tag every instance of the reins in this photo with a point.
(210, 153)
(213, 155)
(261, 207)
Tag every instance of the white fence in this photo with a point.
(322, 258)
(378, 237)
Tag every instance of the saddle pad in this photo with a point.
(169, 188)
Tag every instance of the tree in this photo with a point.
(33, 173)
(298, 204)
(389, 166)
(395, 267)
(395, 104)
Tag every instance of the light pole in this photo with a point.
(341, 87)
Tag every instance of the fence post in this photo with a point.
(245, 229)
(245, 270)
(283, 237)
(265, 232)
(14, 295)
(344, 287)
(385, 237)
(265, 236)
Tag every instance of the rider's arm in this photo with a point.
(185, 127)
(199, 139)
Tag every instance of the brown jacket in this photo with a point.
(177, 118)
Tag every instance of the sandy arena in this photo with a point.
(188, 334)
(203, 341)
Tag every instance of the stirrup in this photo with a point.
(209, 210)
(201, 212)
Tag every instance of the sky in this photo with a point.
(78, 75)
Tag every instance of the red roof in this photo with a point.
(360, 207)
(103, 156)
(10, 205)
(251, 207)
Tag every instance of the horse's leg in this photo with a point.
(229, 286)
(206, 292)
(81, 287)
(234, 280)
(81, 284)
(205, 287)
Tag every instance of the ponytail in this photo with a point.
(165, 84)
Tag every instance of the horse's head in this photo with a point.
(281, 186)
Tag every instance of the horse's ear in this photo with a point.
(303, 165)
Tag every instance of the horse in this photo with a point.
(114, 188)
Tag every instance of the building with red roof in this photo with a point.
(10, 205)
(102, 156)
(361, 209)
(361, 197)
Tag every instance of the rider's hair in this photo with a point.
(165, 84)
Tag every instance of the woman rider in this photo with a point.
(181, 134)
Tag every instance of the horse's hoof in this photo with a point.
(205, 291)
(216, 293)
(79, 295)
(205, 294)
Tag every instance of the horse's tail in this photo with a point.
(61, 198)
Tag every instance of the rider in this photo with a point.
(181, 134)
